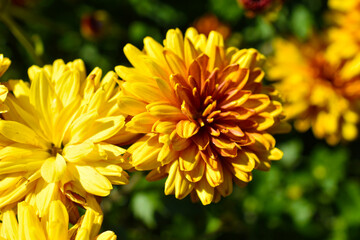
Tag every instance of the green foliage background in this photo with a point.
(312, 193)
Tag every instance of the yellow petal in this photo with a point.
(154, 50)
(189, 158)
(15, 151)
(45, 101)
(58, 221)
(257, 102)
(166, 155)
(30, 226)
(157, 173)
(25, 165)
(91, 180)
(132, 75)
(175, 42)
(178, 143)
(171, 179)
(20, 133)
(4, 64)
(111, 170)
(264, 120)
(226, 188)
(9, 180)
(25, 110)
(165, 111)
(214, 176)
(45, 193)
(112, 152)
(182, 186)
(78, 152)
(3, 93)
(186, 128)
(176, 65)
(243, 161)
(135, 57)
(105, 128)
(166, 90)
(275, 154)
(145, 156)
(131, 106)
(189, 51)
(141, 123)
(67, 87)
(204, 191)
(165, 127)
(10, 227)
(53, 168)
(80, 127)
(23, 187)
(146, 92)
(91, 221)
(107, 235)
(197, 173)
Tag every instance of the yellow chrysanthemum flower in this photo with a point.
(344, 36)
(204, 111)
(52, 226)
(4, 65)
(317, 94)
(58, 138)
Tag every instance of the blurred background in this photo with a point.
(312, 193)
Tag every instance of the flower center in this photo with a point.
(55, 150)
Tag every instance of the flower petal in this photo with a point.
(204, 191)
(53, 169)
(58, 221)
(91, 180)
(22, 134)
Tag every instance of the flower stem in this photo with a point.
(20, 36)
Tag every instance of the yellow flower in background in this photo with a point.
(344, 35)
(52, 226)
(58, 137)
(317, 94)
(203, 109)
(4, 65)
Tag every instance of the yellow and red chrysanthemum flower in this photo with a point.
(4, 65)
(54, 225)
(57, 141)
(317, 94)
(204, 111)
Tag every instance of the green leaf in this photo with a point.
(292, 150)
(301, 22)
(301, 211)
(229, 10)
(349, 203)
(144, 205)
(328, 167)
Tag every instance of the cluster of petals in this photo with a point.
(318, 93)
(26, 224)
(206, 116)
(60, 138)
